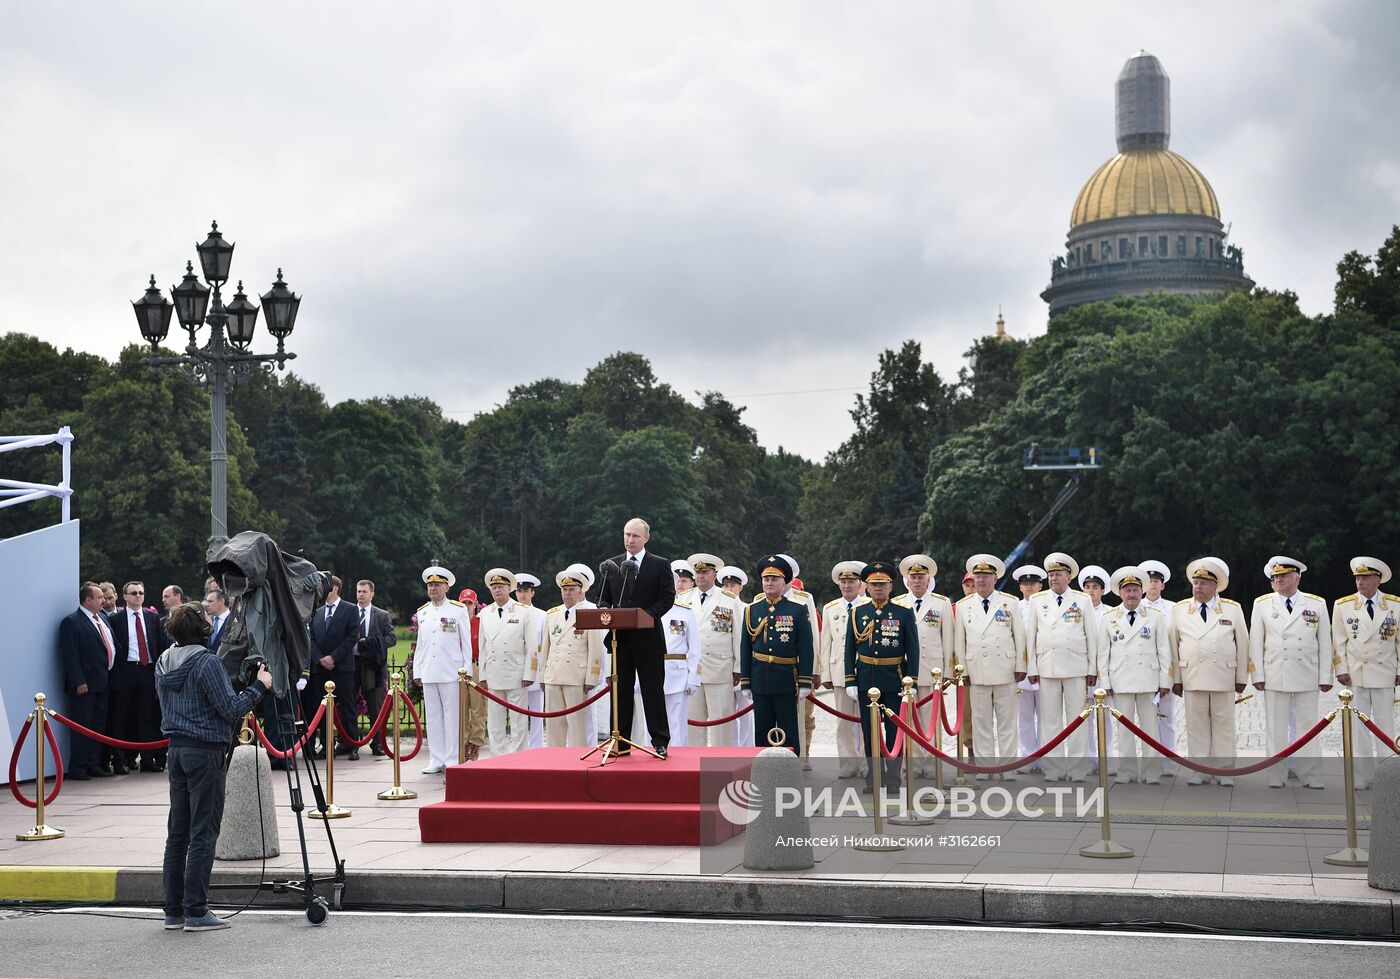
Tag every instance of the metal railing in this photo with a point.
(14, 492)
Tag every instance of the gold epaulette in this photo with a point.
(1347, 599)
(1311, 595)
(799, 591)
(761, 598)
(834, 601)
(900, 600)
(1265, 597)
(681, 604)
(1393, 598)
(934, 594)
(424, 605)
(1230, 601)
(555, 609)
(457, 603)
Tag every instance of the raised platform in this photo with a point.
(550, 795)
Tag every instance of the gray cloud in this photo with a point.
(760, 199)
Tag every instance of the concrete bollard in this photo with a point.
(768, 840)
(240, 835)
(1383, 870)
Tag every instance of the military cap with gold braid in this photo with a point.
(436, 574)
(705, 562)
(774, 564)
(1129, 574)
(1210, 569)
(500, 576)
(1281, 564)
(986, 564)
(847, 571)
(1370, 565)
(918, 564)
(580, 575)
(879, 572)
(1060, 561)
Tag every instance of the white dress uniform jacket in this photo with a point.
(1064, 635)
(717, 617)
(508, 638)
(568, 657)
(1365, 646)
(991, 644)
(1210, 655)
(444, 642)
(934, 615)
(1134, 656)
(1290, 652)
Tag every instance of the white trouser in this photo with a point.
(1093, 737)
(1167, 705)
(444, 731)
(1210, 726)
(535, 701)
(501, 742)
(711, 700)
(850, 751)
(1028, 711)
(676, 706)
(1377, 703)
(571, 730)
(1061, 700)
(994, 702)
(744, 725)
(1140, 709)
(1306, 761)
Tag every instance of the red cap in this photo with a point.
(466, 595)
(967, 577)
(797, 583)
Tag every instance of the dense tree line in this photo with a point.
(1231, 425)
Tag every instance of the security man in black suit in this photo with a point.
(84, 650)
(882, 648)
(334, 636)
(645, 583)
(775, 655)
(133, 709)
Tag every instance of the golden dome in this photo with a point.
(1144, 181)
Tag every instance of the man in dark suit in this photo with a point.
(334, 636)
(375, 634)
(133, 711)
(85, 649)
(645, 583)
(216, 607)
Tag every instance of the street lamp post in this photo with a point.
(224, 359)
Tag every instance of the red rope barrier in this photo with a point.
(417, 732)
(831, 710)
(373, 728)
(39, 776)
(962, 710)
(597, 695)
(898, 748)
(966, 766)
(1259, 766)
(276, 752)
(715, 722)
(1385, 738)
(73, 725)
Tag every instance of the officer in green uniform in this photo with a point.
(882, 648)
(775, 655)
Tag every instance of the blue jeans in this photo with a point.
(196, 810)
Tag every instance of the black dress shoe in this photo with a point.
(78, 775)
(343, 749)
(102, 771)
(661, 752)
(120, 770)
(149, 767)
(319, 754)
(375, 750)
(160, 765)
(354, 755)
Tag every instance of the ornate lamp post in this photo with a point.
(224, 359)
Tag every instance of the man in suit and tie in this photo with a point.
(334, 636)
(133, 710)
(645, 583)
(86, 651)
(374, 635)
(216, 607)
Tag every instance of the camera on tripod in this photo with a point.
(249, 672)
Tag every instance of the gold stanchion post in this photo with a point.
(41, 831)
(332, 810)
(1350, 855)
(1104, 847)
(879, 842)
(934, 734)
(463, 715)
(907, 817)
(396, 791)
(959, 679)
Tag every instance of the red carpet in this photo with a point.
(548, 795)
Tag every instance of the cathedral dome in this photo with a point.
(1141, 182)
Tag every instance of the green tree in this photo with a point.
(1372, 286)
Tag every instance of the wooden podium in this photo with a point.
(614, 619)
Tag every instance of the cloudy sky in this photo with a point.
(757, 196)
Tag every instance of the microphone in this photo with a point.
(629, 571)
(605, 569)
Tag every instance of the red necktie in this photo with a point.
(106, 640)
(141, 642)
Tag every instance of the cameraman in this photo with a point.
(199, 709)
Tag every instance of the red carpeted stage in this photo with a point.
(549, 795)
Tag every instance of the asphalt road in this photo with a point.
(384, 944)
